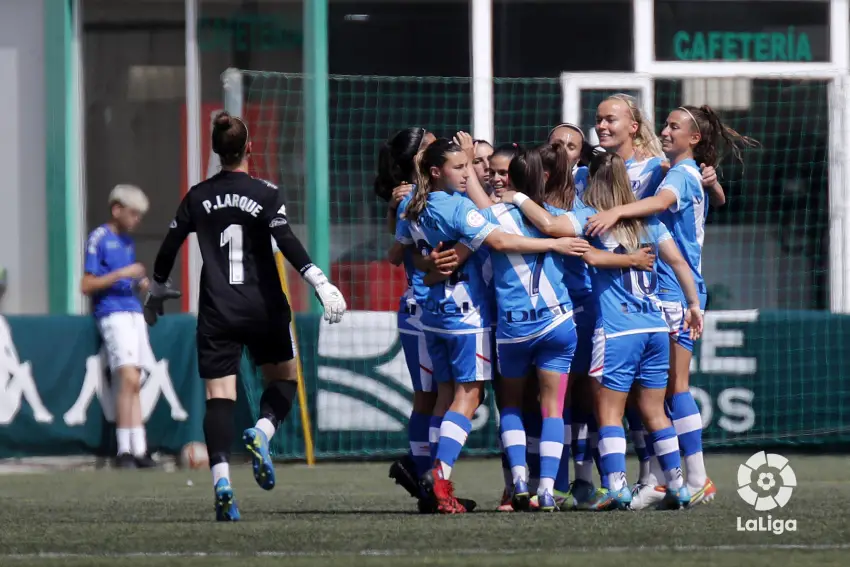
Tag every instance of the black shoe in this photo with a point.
(403, 472)
(146, 462)
(125, 461)
(470, 505)
(426, 506)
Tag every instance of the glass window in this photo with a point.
(399, 37)
(542, 38)
(134, 65)
(753, 30)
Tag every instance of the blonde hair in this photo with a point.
(610, 187)
(645, 140)
(129, 196)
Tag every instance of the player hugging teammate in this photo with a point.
(587, 266)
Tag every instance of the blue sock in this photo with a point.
(434, 435)
(533, 421)
(666, 446)
(683, 410)
(562, 481)
(417, 434)
(514, 441)
(551, 448)
(637, 433)
(612, 456)
(453, 433)
(593, 444)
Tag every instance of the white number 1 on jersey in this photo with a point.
(232, 235)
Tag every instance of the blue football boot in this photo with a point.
(258, 445)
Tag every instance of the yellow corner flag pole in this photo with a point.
(302, 390)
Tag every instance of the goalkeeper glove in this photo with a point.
(331, 298)
(157, 295)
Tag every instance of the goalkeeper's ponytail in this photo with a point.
(229, 139)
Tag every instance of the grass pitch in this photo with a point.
(352, 514)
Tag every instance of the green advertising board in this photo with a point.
(761, 379)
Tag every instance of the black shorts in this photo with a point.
(220, 352)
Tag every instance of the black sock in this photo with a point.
(276, 400)
(218, 429)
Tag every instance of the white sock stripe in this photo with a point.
(434, 434)
(580, 431)
(513, 437)
(419, 449)
(453, 431)
(687, 424)
(551, 449)
(666, 446)
(568, 433)
(532, 445)
(612, 445)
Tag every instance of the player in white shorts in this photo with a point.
(113, 279)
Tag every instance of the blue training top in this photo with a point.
(105, 253)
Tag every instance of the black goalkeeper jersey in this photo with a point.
(235, 217)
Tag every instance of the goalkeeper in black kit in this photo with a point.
(240, 302)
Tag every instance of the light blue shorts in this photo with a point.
(642, 358)
(552, 350)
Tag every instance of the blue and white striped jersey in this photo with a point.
(576, 274)
(461, 304)
(627, 298)
(530, 293)
(408, 300)
(581, 178)
(645, 175)
(685, 220)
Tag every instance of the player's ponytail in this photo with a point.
(715, 137)
(435, 155)
(396, 161)
(611, 187)
(645, 141)
(526, 175)
(229, 139)
(560, 190)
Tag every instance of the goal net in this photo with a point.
(769, 368)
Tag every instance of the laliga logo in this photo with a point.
(766, 481)
(764, 498)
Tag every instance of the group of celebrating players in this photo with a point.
(577, 269)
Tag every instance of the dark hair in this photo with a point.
(396, 160)
(508, 150)
(229, 138)
(560, 187)
(479, 142)
(526, 175)
(716, 138)
(435, 155)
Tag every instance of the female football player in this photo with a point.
(691, 136)
(456, 312)
(631, 334)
